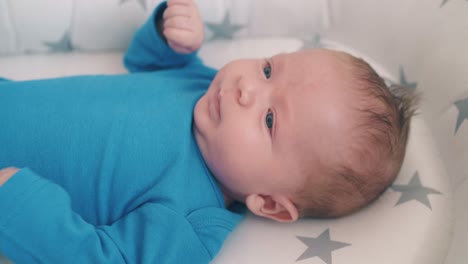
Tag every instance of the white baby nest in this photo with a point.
(419, 220)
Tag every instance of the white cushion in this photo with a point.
(108, 25)
(27, 26)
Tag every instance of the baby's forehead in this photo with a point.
(319, 67)
(321, 96)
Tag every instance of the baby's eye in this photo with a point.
(269, 119)
(267, 69)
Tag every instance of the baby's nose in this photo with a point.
(246, 91)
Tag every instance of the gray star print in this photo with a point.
(404, 82)
(462, 106)
(321, 247)
(224, 30)
(63, 44)
(142, 3)
(444, 2)
(414, 190)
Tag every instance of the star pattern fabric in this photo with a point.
(444, 2)
(141, 2)
(321, 247)
(462, 106)
(414, 190)
(225, 29)
(62, 45)
(404, 81)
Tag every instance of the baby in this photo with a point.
(116, 169)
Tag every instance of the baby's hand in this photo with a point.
(183, 26)
(6, 174)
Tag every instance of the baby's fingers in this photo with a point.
(178, 22)
(183, 41)
(183, 26)
(180, 49)
(177, 11)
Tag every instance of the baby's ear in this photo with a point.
(277, 207)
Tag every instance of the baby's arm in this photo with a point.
(38, 225)
(169, 39)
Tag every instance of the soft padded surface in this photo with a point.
(89, 25)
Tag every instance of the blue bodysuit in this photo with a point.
(111, 172)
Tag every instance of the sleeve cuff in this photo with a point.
(149, 50)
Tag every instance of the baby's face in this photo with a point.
(259, 118)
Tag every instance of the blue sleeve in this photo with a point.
(148, 51)
(38, 225)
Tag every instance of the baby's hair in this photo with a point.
(378, 146)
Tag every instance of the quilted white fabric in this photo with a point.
(88, 25)
(31, 26)
(418, 43)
